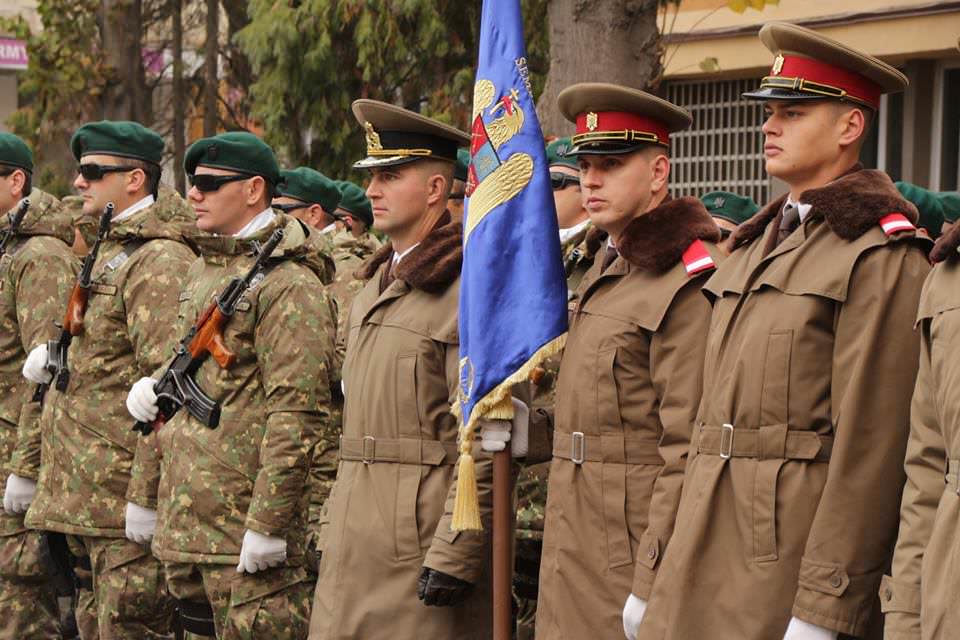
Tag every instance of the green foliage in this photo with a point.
(312, 58)
(66, 74)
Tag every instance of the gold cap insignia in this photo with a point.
(373, 138)
(778, 64)
(592, 121)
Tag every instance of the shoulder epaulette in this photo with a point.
(896, 222)
(697, 259)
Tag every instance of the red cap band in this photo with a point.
(599, 122)
(811, 70)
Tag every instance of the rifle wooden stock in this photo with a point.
(76, 309)
(209, 338)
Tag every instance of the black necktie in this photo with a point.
(788, 222)
(609, 257)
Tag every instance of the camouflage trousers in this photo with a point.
(129, 599)
(271, 604)
(28, 599)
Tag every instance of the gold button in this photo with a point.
(836, 581)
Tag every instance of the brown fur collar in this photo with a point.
(851, 205)
(946, 245)
(432, 267)
(656, 240)
(595, 241)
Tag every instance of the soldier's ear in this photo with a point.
(438, 189)
(659, 172)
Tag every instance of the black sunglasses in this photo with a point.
(92, 172)
(457, 196)
(562, 180)
(207, 182)
(287, 208)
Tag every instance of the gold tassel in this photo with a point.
(496, 405)
(466, 506)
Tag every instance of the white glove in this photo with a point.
(35, 366)
(19, 494)
(633, 611)
(141, 523)
(495, 434)
(259, 552)
(800, 630)
(142, 401)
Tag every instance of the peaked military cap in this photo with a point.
(614, 119)
(950, 203)
(810, 66)
(558, 153)
(14, 152)
(117, 138)
(927, 203)
(310, 186)
(397, 136)
(353, 200)
(729, 206)
(461, 169)
(234, 151)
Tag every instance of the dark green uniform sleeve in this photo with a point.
(295, 344)
(43, 280)
(150, 297)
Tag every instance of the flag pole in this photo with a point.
(502, 545)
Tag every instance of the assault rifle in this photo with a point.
(76, 309)
(15, 221)
(177, 388)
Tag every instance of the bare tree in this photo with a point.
(211, 87)
(179, 96)
(126, 97)
(615, 41)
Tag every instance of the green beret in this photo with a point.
(950, 204)
(235, 151)
(353, 199)
(557, 153)
(14, 152)
(927, 203)
(463, 162)
(307, 185)
(118, 138)
(729, 206)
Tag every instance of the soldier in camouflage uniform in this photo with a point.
(97, 482)
(575, 226)
(233, 499)
(36, 272)
(314, 198)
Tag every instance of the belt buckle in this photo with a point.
(577, 444)
(726, 451)
(368, 458)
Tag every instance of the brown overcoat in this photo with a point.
(386, 513)
(791, 494)
(626, 397)
(920, 600)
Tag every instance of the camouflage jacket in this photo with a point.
(349, 253)
(36, 273)
(578, 257)
(89, 451)
(251, 471)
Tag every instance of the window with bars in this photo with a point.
(723, 150)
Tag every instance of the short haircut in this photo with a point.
(153, 172)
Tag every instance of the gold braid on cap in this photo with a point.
(375, 147)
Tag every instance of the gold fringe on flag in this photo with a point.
(496, 405)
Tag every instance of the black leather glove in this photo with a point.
(438, 589)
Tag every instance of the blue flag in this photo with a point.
(513, 291)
